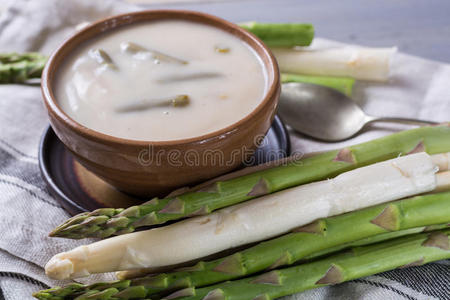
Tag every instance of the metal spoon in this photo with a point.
(326, 114)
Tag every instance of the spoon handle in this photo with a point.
(372, 119)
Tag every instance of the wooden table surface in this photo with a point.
(418, 27)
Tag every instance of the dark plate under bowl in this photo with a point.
(79, 190)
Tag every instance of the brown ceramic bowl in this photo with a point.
(148, 168)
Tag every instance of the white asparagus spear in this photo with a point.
(357, 62)
(252, 221)
(441, 160)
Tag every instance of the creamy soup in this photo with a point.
(159, 81)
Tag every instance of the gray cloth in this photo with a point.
(419, 88)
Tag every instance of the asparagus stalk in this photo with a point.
(342, 84)
(321, 237)
(176, 101)
(19, 68)
(281, 34)
(188, 77)
(110, 221)
(356, 62)
(140, 51)
(376, 239)
(407, 251)
(247, 223)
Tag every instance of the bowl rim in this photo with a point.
(108, 24)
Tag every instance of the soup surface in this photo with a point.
(160, 81)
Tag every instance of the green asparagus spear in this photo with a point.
(324, 236)
(281, 34)
(8, 58)
(158, 56)
(376, 239)
(19, 68)
(342, 84)
(417, 249)
(105, 222)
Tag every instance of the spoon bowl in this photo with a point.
(325, 113)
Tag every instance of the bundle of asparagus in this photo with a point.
(399, 177)
(412, 250)
(348, 61)
(246, 223)
(323, 236)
